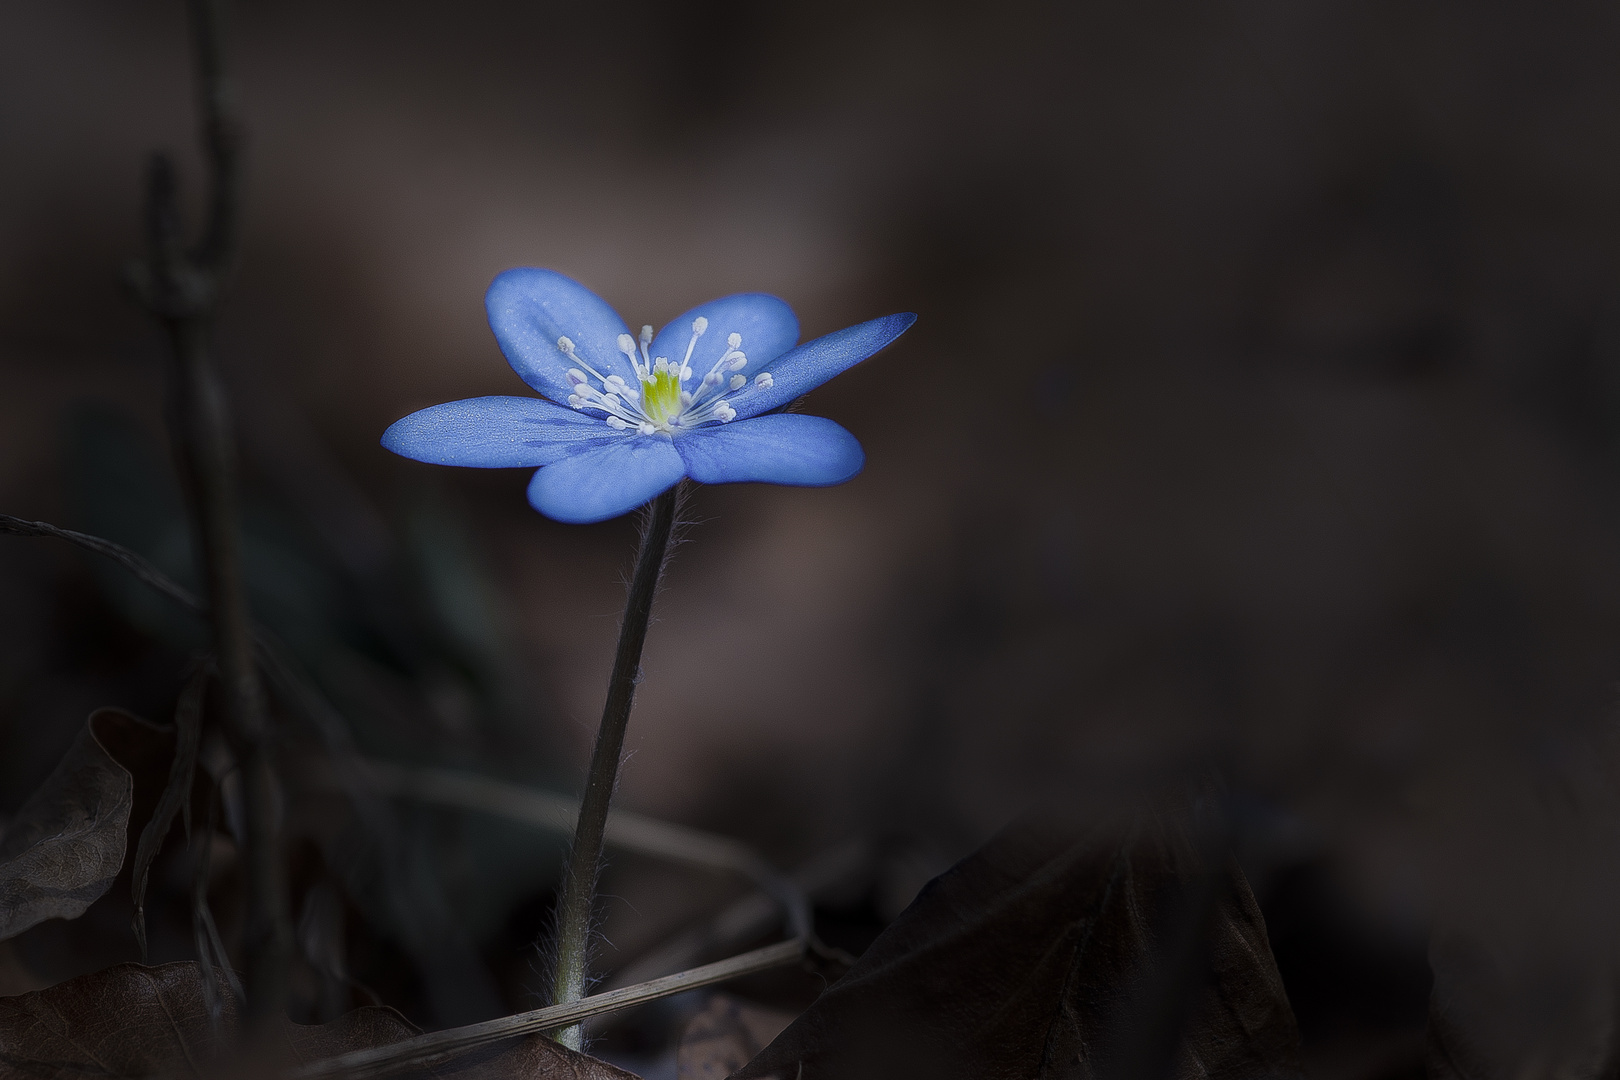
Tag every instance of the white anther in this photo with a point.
(699, 325)
(645, 427)
(686, 397)
(575, 377)
(734, 340)
(725, 412)
(646, 335)
(686, 370)
(713, 378)
(739, 363)
(739, 381)
(566, 345)
(616, 424)
(576, 401)
(611, 399)
(763, 381)
(661, 364)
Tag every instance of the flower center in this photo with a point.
(661, 398)
(667, 399)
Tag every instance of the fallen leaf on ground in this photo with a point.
(1052, 952)
(725, 1036)
(64, 847)
(136, 1021)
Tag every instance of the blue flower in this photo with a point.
(629, 416)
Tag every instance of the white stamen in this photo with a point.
(627, 345)
(619, 400)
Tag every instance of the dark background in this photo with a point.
(1262, 420)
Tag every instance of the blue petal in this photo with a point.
(814, 362)
(783, 448)
(767, 325)
(606, 482)
(530, 309)
(495, 433)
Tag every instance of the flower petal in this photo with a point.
(530, 309)
(495, 433)
(784, 448)
(606, 482)
(767, 325)
(814, 362)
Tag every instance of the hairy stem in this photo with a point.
(579, 886)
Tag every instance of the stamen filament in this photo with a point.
(663, 404)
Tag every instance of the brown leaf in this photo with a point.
(1056, 952)
(66, 845)
(725, 1036)
(136, 1021)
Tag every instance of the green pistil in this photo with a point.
(661, 397)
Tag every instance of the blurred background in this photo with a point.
(1262, 420)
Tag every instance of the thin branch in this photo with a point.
(181, 289)
(221, 139)
(437, 1046)
(585, 858)
(119, 554)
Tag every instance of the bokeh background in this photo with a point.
(1262, 420)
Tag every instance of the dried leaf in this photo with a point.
(137, 1021)
(1054, 952)
(725, 1036)
(176, 794)
(66, 845)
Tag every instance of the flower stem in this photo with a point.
(579, 884)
